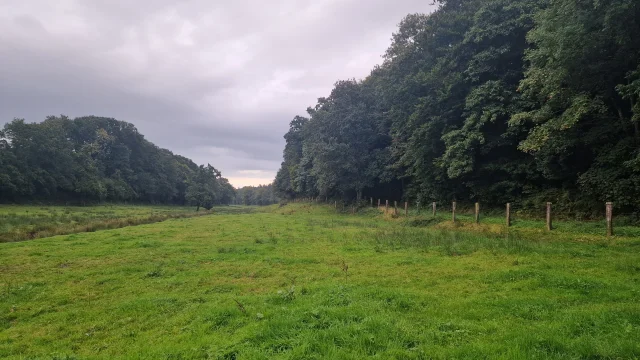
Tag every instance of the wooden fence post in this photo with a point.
(378, 202)
(386, 206)
(549, 226)
(335, 204)
(453, 211)
(406, 208)
(395, 207)
(508, 214)
(477, 213)
(371, 202)
(609, 215)
(434, 208)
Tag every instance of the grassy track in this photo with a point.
(301, 282)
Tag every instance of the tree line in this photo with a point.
(93, 159)
(521, 101)
(256, 195)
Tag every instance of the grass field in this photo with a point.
(302, 282)
(19, 222)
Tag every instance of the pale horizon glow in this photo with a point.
(239, 182)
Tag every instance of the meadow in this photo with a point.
(27, 222)
(302, 281)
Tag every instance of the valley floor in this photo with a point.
(302, 282)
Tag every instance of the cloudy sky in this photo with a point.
(216, 81)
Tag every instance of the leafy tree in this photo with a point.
(485, 100)
(204, 187)
(91, 159)
(256, 195)
(581, 119)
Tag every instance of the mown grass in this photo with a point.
(19, 222)
(302, 282)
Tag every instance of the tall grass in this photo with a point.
(19, 223)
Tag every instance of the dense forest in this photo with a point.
(256, 195)
(521, 101)
(93, 159)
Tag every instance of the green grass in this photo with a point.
(302, 282)
(19, 222)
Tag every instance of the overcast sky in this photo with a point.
(215, 81)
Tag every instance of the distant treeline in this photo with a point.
(256, 195)
(92, 159)
(521, 101)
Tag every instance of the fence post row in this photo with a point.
(548, 216)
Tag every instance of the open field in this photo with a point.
(20, 222)
(302, 282)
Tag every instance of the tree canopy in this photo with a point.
(521, 101)
(256, 195)
(99, 159)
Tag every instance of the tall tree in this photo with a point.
(204, 187)
(582, 128)
(496, 101)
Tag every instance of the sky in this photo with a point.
(215, 81)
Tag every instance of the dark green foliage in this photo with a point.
(204, 188)
(256, 195)
(521, 101)
(92, 159)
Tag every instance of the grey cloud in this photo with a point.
(217, 82)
